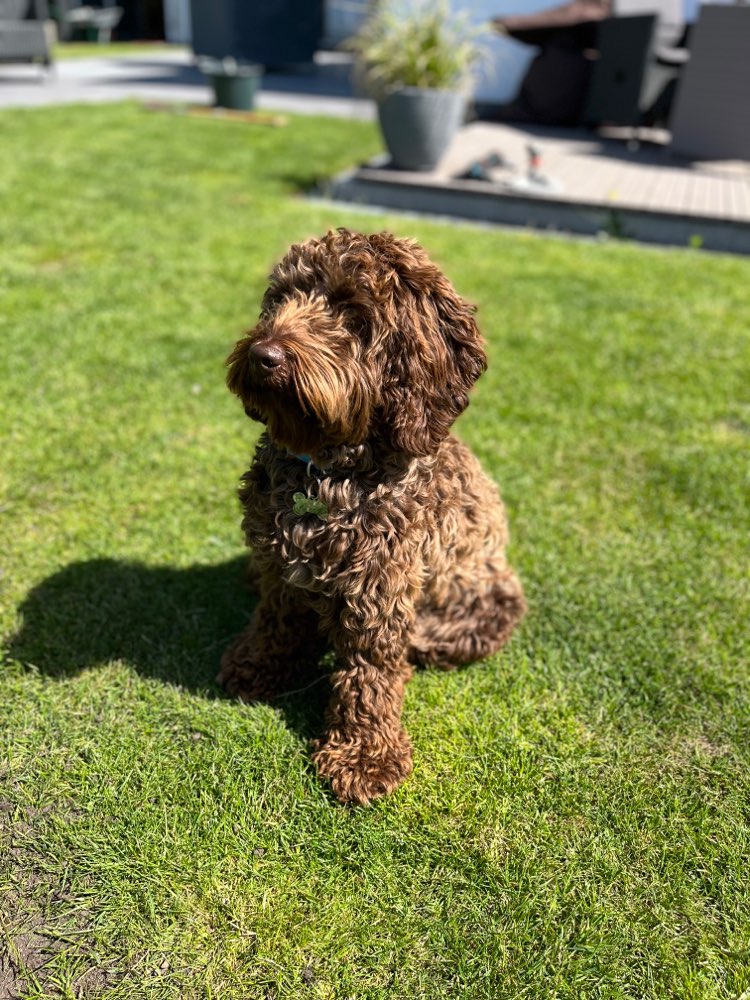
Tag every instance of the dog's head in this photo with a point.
(359, 338)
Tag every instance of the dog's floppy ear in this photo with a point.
(433, 354)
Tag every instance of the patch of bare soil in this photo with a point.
(41, 921)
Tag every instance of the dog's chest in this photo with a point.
(305, 526)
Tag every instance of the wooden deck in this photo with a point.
(595, 183)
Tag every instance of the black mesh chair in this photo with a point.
(635, 74)
(617, 93)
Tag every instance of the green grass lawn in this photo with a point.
(578, 822)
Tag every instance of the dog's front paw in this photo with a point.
(363, 767)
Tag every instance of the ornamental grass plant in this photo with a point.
(418, 44)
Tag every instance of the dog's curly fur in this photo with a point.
(363, 357)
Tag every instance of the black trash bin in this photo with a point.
(270, 32)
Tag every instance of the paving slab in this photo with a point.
(323, 88)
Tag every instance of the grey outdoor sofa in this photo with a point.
(25, 31)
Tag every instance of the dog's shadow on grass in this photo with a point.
(168, 624)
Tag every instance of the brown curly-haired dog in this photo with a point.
(374, 530)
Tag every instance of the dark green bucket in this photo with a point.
(235, 84)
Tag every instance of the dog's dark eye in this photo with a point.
(275, 294)
(269, 305)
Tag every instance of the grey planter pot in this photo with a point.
(418, 125)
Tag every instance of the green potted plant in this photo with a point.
(416, 60)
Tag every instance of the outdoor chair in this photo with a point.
(668, 55)
(624, 48)
(94, 23)
(635, 73)
(25, 31)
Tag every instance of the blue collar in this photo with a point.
(308, 461)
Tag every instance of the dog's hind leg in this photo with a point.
(278, 650)
(470, 627)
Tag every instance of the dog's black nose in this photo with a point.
(266, 355)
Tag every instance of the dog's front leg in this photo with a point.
(365, 752)
(278, 648)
